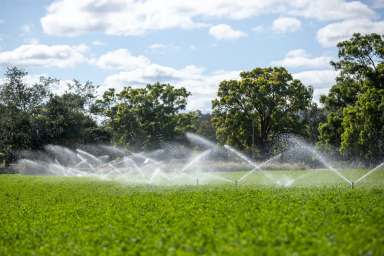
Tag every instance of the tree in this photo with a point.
(349, 125)
(20, 103)
(264, 103)
(205, 127)
(312, 117)
(144, 118)
(66, 119)
(16, 94)
(363, 128)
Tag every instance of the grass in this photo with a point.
(308, 178)
(78, 216)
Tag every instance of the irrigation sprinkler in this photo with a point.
(173, 166)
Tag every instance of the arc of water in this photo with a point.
(197, 139)
(252, 163)
(158, 173)
(135, 166)
(154, 175)
(83, 160)
(369, 173)
(146, 158)
(196, 159)
(321, 159)
(89, 155)
(259, 168)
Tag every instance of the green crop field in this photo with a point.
(79, 216)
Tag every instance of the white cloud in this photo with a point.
(225, 32)
(333, 33)
(137, 71)
(299, 58)
(44, 55)
(328, 10)
(286, 24)
(320, 80)
(121, 59)
(129, 17)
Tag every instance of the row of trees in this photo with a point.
(249, 113)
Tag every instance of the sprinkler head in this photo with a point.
(352, 184)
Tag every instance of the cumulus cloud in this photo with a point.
(36, 54)
(225, 32)
(299, 58)
(330, 10)
(128, 17)
(286, 24)
(333, 33)
(121, 59)
(137, 71)
(320, 80)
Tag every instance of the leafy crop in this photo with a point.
(74, 216)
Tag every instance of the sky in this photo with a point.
(194, 44)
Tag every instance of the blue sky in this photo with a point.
(195, 44)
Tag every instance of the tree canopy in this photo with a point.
(251, 112)
(144, 118)
(354, 104)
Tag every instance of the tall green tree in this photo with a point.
(144, 118)
(67, 120)
(251, 112)
(363, 127)
(349, 125)
(20, 103)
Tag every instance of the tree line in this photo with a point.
(249, 113)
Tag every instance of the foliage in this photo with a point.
(252, 112)
(64, 122)
(16, 94)
(205, 127)
(144, 118)
(63, 216)
(354, 117)
(19, 105)
(363, 125)
(31, 116)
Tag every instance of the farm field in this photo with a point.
(308, 178)
(79, 216)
